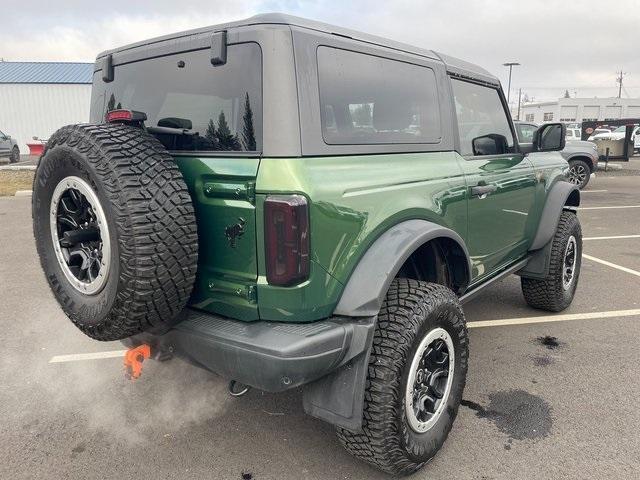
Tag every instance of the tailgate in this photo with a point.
(223, 190)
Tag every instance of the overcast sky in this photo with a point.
(561, 45)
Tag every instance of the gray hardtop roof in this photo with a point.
(454, 65)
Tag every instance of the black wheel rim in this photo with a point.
(80, 235)
(569, 263)
(430, 379)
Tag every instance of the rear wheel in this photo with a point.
(579, 173)
(416, 376)
(15, 155)
(115, 230)
(556, 291)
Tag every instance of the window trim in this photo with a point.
(503, 102)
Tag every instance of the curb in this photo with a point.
(18, 167)
(611, 167)
(23, 193)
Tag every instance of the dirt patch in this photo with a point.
(13, 180)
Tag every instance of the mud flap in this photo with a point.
(338, 398)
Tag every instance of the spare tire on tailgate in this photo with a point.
(115, 230)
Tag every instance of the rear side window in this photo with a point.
(479, 112)
(371, 100)
(192, 105)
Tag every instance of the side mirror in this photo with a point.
(492, 144)
(550, 138)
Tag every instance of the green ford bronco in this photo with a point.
(287, 203)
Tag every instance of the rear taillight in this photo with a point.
(125, 116)
(286, 239)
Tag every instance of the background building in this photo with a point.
(580, 109)
(37, 98)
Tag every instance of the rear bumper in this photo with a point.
(270, 356)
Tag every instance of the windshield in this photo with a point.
(620, 129)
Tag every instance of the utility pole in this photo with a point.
(510, 65)
(621, 74)
(519, 101)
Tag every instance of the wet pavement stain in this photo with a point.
(77, 450)
(542, 360)
(246, 476)
(516, 413)
(552, 343)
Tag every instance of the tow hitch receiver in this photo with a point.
(133, 360)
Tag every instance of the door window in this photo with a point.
(525, 132)
(480, 114)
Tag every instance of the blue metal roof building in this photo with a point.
(46, 72)
(37, 98)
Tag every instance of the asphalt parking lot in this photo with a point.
(553, 396)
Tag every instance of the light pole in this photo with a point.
(510, 65)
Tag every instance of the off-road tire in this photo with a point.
(151, 223)
(411, 309)
(549, 293)
(15, 155)
(581, 166)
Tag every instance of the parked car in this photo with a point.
(9, 148)
(618, 134)
(232, 215)
(598, 131)
(636, 143)
(581, 155)
(574, 134)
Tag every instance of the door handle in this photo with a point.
(481, 191)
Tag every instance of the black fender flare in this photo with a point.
(381, 262)
(563, 196)
(338, 397)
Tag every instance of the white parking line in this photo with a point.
(478, 324)
(609, 208)
(554, 318)
(612, 265)
(593, 191)
(615, 237)
(76, 357)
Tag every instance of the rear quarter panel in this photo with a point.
(353, 200)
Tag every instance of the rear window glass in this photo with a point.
(371, 100)
(190, 104)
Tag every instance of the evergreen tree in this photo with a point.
(210, 134)
(111, 105)
(119, 106)
(248, 133)
(226, 139)
(566, 94)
